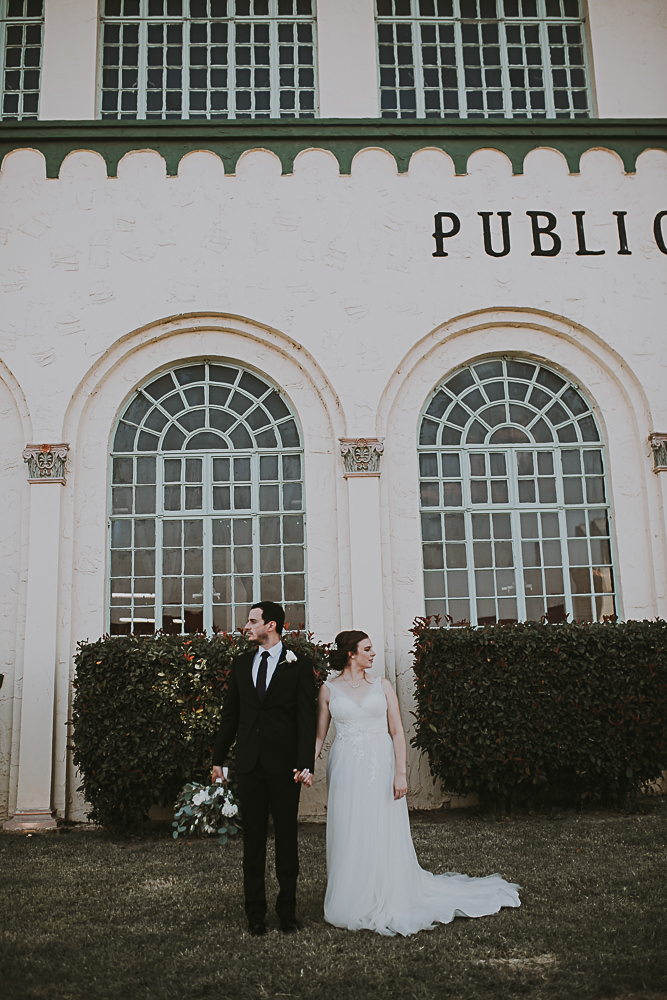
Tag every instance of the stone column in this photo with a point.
(361, 457)
(46, 473)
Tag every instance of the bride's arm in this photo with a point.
(398, 737)
(323, 719)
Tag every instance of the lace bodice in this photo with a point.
(361, 723)
(365, 715)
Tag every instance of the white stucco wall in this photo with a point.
(627, 45)
(69, 60)
(328, 285)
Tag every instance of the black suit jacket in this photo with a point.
(279, 732)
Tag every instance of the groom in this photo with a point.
(270, 710)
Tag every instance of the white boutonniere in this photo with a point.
(290, 656)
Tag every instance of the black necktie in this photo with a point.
(261, 675)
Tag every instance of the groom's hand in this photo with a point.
(218, 775)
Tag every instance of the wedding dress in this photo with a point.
(374, 878)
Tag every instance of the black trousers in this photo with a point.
(262, 792)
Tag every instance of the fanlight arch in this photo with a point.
(513, 497)
(207, 506)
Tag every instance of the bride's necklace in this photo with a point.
(358, 684)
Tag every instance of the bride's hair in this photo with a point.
(345, 643)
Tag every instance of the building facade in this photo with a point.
(354, 304)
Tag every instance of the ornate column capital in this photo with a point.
(361, 456)
(658, 443)
(46, 462)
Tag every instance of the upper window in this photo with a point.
(482, 59)
(208, 59)
(21, 31)
(515, 516)
(207, 510)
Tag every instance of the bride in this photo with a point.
(374, 878)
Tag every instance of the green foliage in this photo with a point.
(533, 714)
(145, 713)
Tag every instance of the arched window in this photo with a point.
(514, 509)
(207, 509)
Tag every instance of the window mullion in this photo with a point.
(207, 542)
(548, 78)
(565, 556)
(185, 58)
(274, 69)
(517, 554)
(255, 514)
(255, 521)
(159, 521)
(231, 69)
(505, 70)
(470, 559)
(460, 67)
(142, 70)
(158, 572)
(418, 63)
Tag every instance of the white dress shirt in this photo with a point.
(272, 662)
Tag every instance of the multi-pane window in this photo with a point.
(21, 32)
(482, 59)
(208, 59)
(207, 506)
(514, 509)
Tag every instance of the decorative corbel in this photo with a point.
(46, 462)
(658, 443)
(361, 456)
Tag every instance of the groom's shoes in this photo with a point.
(289, 925)
(257, 929)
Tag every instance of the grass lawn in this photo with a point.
(87, 917)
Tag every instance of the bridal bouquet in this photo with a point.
(205, 810)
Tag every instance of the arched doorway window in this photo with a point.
(207, 507)
(514, 502)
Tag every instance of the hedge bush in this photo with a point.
(145, 713)
(536, 714)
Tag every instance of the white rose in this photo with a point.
(199, 797)
(290, 656)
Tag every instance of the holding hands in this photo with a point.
(304, 777)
